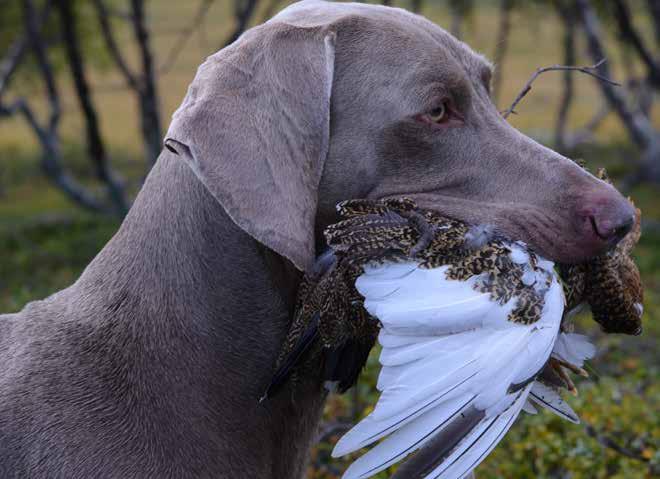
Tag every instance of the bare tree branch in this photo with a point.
(640, 130)
(10, 63)
(630, 35)
(592, 71)
(639, 127)
(103, 15)
(149, 109)
(47, 135)
(184, 36)
(143, 84)
(17, 51)
(95, 145)
(610, 443)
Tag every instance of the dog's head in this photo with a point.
(327, 102)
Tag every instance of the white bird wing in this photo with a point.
(455, 372)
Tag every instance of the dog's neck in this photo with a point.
(211, 307)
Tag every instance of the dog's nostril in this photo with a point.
(624, 228)
(612, 232)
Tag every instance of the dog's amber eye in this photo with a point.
(438, 114)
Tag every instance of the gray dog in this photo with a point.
(151, 365)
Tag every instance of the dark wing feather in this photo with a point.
(304, 343)
(343, 364)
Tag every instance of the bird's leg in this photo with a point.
(557, 365)
(426, 232)
(572, 367)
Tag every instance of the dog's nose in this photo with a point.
(611, 216)
(612, 229)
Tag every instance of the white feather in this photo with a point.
(446, 346)
(551, 400)
(476, 446)
(407, 439)
(573, 348)
(529, 408)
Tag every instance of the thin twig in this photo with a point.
(591, 71)
(610, 443)
(184, 36)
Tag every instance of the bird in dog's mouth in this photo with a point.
(474, 328)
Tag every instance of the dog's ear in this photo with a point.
(254, 127)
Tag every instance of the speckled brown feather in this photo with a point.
(610, 284)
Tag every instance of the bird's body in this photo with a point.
(472, 329)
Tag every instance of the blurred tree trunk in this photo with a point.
(654, 10)
(456, 24)
(459, 9)
(501, 45)
(144, 83)
(567, 16)
(631, 36)
(31, 40)
(243, 11)
(95, 145)
(638, 126)
(147, 94)
(269, 11)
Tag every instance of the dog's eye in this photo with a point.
(442, 115)
(438, 114)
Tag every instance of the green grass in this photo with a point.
(45, 243)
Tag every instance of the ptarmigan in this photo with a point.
(470, 326)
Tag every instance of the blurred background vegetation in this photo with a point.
(87, 88)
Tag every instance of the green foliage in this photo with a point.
(46, 254)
